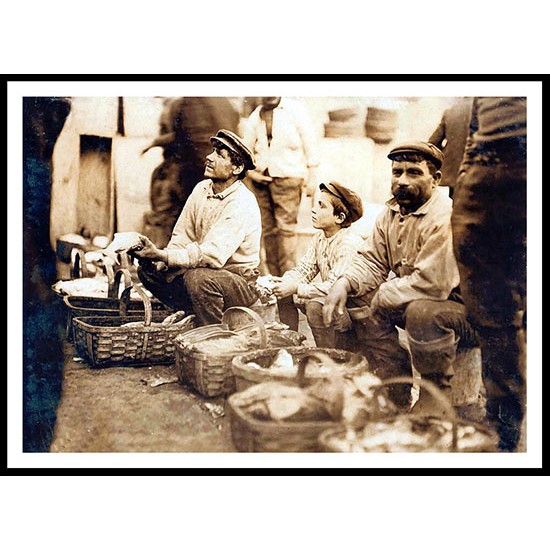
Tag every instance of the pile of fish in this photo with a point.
(351, 401)
(179, 319)
(94, 287)
(408, 434)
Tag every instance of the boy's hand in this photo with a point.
(283, 288)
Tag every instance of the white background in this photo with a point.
(458, 511)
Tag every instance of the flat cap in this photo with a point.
(234, 143)
(428, 150)
(351, 200)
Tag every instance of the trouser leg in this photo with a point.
(434, 329)
(269, 256)
(288, 312)
(378, 340)
(214, 290)
(324, 336)
(489, 236)
(173, 294)
(286, 194)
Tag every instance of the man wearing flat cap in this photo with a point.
(211, 261)
(406, 276)
(329, 255)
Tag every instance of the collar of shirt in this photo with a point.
(231, 189)
(423, 210)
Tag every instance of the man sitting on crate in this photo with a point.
(406, 275)
(210, 263)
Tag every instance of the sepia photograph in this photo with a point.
(209, 275)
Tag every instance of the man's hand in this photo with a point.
(283, 288)
(335, 301)
(149, 251)
(257, 177)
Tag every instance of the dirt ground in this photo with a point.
(120, 409)
(137, 409)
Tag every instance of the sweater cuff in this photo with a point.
(302, 290)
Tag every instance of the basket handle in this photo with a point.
(257, 322)
(125, 297)
(435, 392)
(79, 268)
(114, 283)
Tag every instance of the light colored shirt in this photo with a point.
(329, 257)
(293, 147)
(417, 248)
(217, 230)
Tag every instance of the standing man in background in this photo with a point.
(281, 136)
(489, 224)
(450, 136)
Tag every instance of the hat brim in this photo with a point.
(249, 165)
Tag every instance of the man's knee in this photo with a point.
(197, 279)
(420, 318)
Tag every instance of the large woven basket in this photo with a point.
(210, 374)
(105, 341)
(351, 364)
(112, 306)
(250, 434)
(337, 439)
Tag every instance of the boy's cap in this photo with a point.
(428, 150)
(234, 143)
(352, 201)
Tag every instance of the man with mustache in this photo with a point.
(406, 275)
(211, 261)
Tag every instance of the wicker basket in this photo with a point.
(245, 376)
(104, 341)
(89, 306)
(250, 434)
(336, 439)
(211, 374)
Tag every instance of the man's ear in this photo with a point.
(238, 169)
(437, 178)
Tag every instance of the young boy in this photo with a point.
(330, 254)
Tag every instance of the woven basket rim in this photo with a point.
(239, 367)
(86, 324)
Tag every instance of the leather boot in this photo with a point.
(434, 361)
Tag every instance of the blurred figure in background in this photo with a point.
(489, 230)
(186, 125)
(282, 138)
(450, 136)
(43, 120)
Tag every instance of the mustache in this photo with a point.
(405, 194)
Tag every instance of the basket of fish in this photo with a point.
(204, 355)
(129, 340)
(127, 304)
(290, 415)
(410, 432)
(282, 364)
